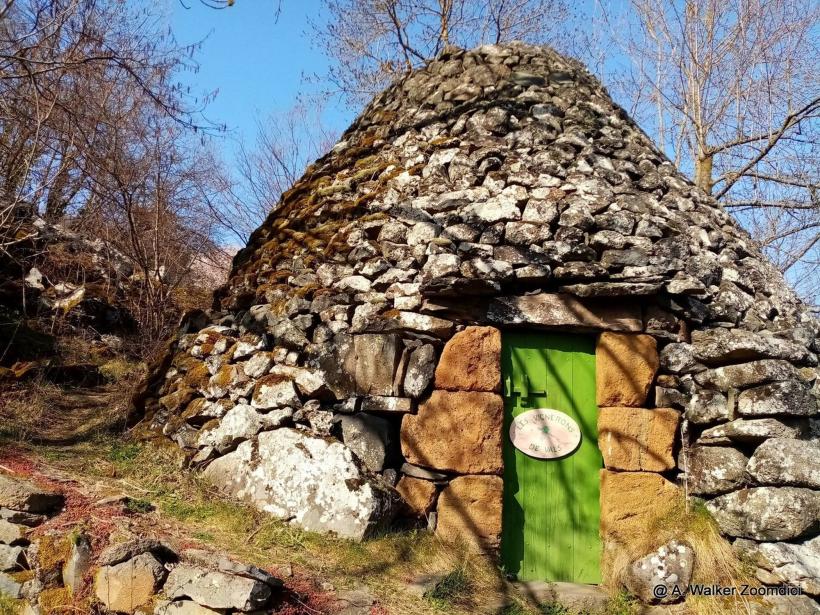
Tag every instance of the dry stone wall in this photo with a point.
(354, 348)
(52, 562)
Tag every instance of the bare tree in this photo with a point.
(730, 89)
(371, 42)
(70, 72)
(96, 136)
(286, 143)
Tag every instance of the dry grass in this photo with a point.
(385, 564)
(9, 606)
(716, 563)
(25, 408)
(123, 371)
(40, 411)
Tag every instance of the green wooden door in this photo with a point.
(551, 506)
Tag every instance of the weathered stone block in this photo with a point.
(240, 423)
(295, 476)
(124, 587)
(797, 563)
(12, 558)
(77, 564)
(660, 323)
(275, 391)
(23, 518)
(380, 403)
(10, 587)
(712, 470)
(419, 495)
(455, 431)
(310, 382)
(420, 370)
(376, 358)
(716, 346)
(23, 495)
(680, 359)
(670, 398)
(469, 511)
(438, 478)
(11, 533)
(637, 439)
(399, 320)
(121, 551)
(471, 361)
(783, 461)
(225, 380)
(747, 374)
(669, 566)
(753, 430)
(767, 513)
(370, 438)
(216, 590)
(562, 310)
(625, 367)
(599, 290)
(789, 397)
(709, 407)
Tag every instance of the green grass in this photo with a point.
(553, 608)
(454, 587)
(123, 454)
(8, 605)
(384, 564)
(138, 506)
(623, 603)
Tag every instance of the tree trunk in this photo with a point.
(55, 201)
(703, 173)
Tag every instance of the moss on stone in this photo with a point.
(197, 376)
(53, 551)
(224, 377)
(55, 600)
(21, 576)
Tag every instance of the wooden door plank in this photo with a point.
(551, 511)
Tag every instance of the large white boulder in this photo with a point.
(315, 482)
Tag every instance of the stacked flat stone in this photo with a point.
(498, 187)
(23, 506)
(48, 564)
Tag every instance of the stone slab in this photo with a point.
(457, 432)
(637, 439)
(625, 366)
(565, 311)
(469, 512)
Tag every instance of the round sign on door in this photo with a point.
(545, 433)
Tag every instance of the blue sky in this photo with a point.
(256, 62)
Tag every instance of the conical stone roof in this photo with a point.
(513, 146)
(499, 187)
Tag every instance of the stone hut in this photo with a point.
(497, 307)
